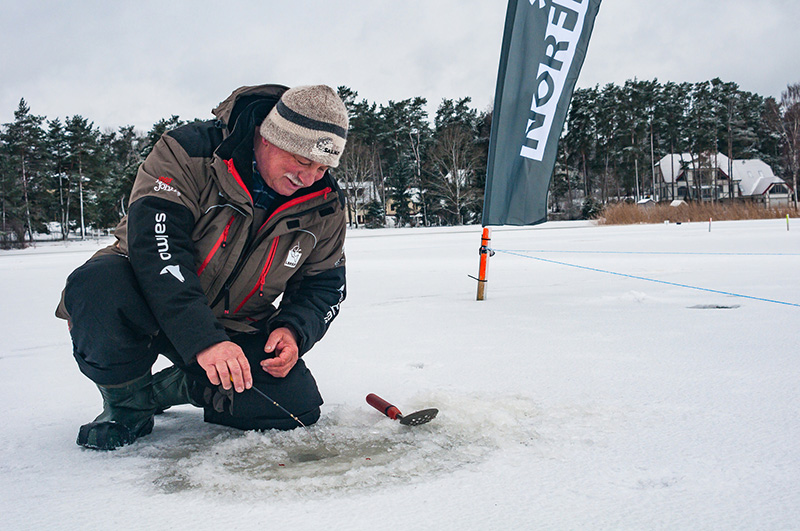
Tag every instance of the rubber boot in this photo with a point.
(128, 411)
(171, 387)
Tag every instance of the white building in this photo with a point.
(715, 177)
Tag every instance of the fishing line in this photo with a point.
(262, 393)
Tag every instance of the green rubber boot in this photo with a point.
(128, 411)
(171, 387)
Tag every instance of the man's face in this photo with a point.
(283, 171)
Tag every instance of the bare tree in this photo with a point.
(356, 173)
(453, 163)
(784, 117)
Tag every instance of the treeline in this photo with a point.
(401, 164)
(67, 176)
(424, 173)
(434, 173)
(615, 135)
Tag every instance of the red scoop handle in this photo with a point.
(383, 406)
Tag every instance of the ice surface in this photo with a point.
(569, 399)
(349, 450)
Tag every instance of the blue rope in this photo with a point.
(646, 252)
(646, 279)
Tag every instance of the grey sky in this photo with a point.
(119, 63)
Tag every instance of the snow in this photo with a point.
(569, 399)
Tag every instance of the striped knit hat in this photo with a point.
(309, 121)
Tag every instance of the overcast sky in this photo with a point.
(120, 63)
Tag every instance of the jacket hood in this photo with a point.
(239, 116)
(231, 107)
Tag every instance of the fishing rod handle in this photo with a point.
(383, 406)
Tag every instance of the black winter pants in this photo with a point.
(116, 339)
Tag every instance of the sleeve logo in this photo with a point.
(334, 310)
(165, 184)
(162, 238)
(175, 271)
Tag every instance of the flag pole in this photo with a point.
(485, 252)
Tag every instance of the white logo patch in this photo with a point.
(173, 270)
(294, 256)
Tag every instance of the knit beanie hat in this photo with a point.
(310, 121)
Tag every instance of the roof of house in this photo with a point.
(754, 175)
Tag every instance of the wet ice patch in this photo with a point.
(714, 307)
(635, 296)
(350, 448)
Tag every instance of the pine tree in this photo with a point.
(84, 164)
(121, 151)
(57, 152)
(404, 129)
(580, 137)
(23, 144)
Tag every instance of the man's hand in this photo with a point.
(225, 364)
(283, 343)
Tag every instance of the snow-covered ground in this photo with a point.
(570, 399)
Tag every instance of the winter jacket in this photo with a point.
(203, 266)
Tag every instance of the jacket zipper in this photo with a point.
(221, 242)
(233, 171)
(263, 277)
(248, 247)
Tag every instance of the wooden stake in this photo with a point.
(486, 252)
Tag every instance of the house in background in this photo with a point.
(359, 195)
(715, 177)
